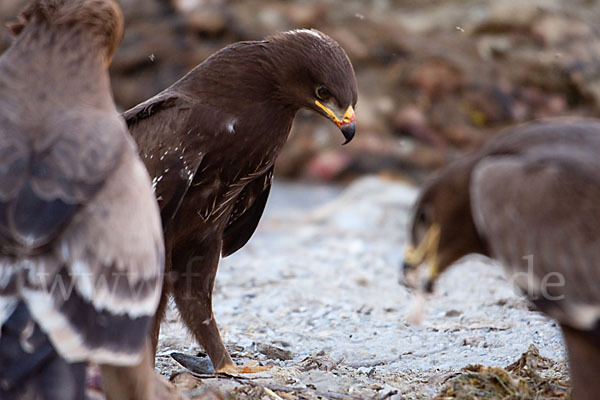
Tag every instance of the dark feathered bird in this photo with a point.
(530, 199)
(81, 248)
(210, 141)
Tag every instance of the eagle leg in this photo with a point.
(195, 269)
(159, 316)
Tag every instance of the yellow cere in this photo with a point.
(327, 111)
(347, 118)
(348, 115)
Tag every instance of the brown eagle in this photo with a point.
(210, 141)
(81, 247)
(531, 199)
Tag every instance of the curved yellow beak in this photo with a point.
(425, 252)
(346, 122)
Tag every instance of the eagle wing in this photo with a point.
(31, 361)
(246, 214)
(539, 212)
(173, 148)
(171, 153)
(45, 183)
(84, 235)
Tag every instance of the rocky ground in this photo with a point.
(315, 295)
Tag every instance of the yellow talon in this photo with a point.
(251, 368)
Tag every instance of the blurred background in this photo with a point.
(436, 77)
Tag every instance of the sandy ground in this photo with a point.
(319, 281)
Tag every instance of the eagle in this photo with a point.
(529, 198)
(81, 244)
(210, 141)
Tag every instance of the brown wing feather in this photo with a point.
(104, 275)
(36, 366)
(55, 176)
(246, 213)
(542, 208)
(550, 132)
(82, 235)
(172, 160)
(173, 145)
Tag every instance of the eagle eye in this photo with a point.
(422, 217)
(323, 93)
